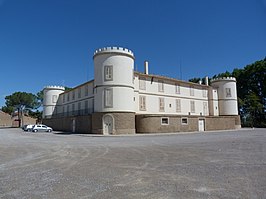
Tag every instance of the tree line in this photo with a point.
(251, 91)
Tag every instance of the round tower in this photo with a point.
(113, 83)
(227, 95)
(50, 99)
(114, 89)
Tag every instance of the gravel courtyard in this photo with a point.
(229, 164)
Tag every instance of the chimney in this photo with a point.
(146, 67)
(207, 81)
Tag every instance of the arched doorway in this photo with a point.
(108, 124)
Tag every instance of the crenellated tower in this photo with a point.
(50, 99)
(113, 83)
(114, 91)
(227, 95)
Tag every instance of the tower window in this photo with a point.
(228, 92)
(142, 103)
(108, 73)
(108, 98)
(54, 98)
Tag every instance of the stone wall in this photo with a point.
(124, 123)
(5, 119)
(222, 123)
(153, 123)
(82, 124)
(129, 123)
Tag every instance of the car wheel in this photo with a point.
(35, 130)
(28, 130)
(49, 130)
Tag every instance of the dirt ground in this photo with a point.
(229, 164)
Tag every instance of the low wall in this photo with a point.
(77, 124)
(153, 123)
(124, 123)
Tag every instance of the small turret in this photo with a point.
(50, 99)
(227, 95)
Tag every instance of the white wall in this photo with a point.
(169, 94)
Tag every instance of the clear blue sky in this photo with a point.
(51, 42)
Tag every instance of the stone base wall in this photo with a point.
(77, 124)
(124, 123)
(129, 123)
(153, 123)
(222, 123)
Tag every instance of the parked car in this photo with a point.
(28, 127)
(41, 127)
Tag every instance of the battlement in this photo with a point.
(223, 79)
(117, 50)
(55, 87)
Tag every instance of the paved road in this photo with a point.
(201, 165)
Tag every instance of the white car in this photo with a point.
(41, 127)
(27, 127)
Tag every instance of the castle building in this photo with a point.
(122, 101)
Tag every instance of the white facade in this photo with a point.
(51, 99)
(117, 88)
(227, 93)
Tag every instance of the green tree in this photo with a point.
(251, 91)
(20, 102)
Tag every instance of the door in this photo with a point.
(201, 125)
(108, 125)
(73, 126)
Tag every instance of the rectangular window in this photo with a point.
(142, 83)
(191, 91)
(108, 98)
(192, 106)
(108, 73)
(73, 109)
(142, 103)
(73, 95)
(205, 108)
(184, 121)
(79, 108)
(64, 98)
(204, 93)
(68, 97)
(79, 92)
(67, 110)
(86, 105)
(228, 92)
(177, 89)
(86, 90)
(54, 98)
(160, 86)
(178, 105)
(164, 121)
(161, 104)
